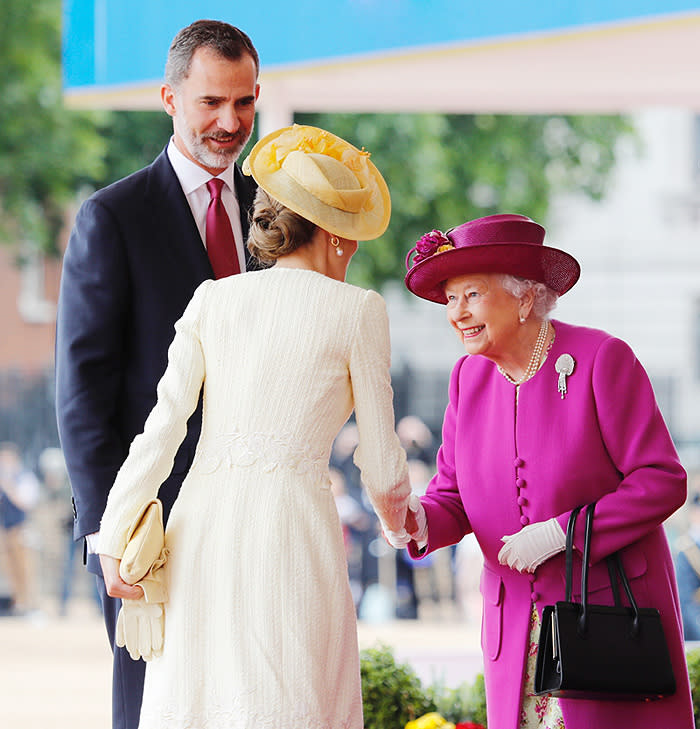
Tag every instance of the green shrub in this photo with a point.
(693, 658)
(392, 694)
(467, 702)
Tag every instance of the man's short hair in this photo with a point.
(222, 38)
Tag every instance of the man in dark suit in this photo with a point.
(137, 252)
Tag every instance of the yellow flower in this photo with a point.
(433, 720)
(269, 156)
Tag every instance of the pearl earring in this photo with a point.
(522, 319)
(336, 244)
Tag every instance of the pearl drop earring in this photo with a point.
(336, 244)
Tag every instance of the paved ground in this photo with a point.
(55, 672)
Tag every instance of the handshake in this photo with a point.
(523, 551)
(415, 528)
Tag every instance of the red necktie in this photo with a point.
(221, 245)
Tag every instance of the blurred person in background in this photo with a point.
(342, 454)
(431, 580)
(20, 492)
(688, 569)
(60, 553)
(416, 438)
(543, 417)
(260, 625)
(354, 520)
(433, 577)
(138, 250)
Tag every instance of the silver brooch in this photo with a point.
(564, 366)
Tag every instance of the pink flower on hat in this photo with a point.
(428, 245)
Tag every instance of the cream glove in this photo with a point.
(140, 627)
(141, 623)
(532, 545)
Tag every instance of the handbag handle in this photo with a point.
(614, 564)
(616, 559)
(570, 552)
(583, 617)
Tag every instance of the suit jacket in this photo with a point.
(508, 461)
(133, 261)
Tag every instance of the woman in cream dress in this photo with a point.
(259, 627)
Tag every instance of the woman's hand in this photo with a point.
(415, 527)
(416, 521)
(396, 539)
(532, 545)
(116, 587)
(140, 623)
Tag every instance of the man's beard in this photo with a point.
(209, 158)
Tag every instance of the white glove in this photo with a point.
(398, 540)
(140, 627)
(420, 535)
(532, 545)
(402, 538)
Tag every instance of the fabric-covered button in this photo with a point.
(520, 483)
(534, 596)
(518, 462)
(522, 501)
(524, 520)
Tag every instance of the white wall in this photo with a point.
(640, 257)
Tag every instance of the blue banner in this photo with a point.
(125, 42)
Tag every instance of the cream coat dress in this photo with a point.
(260, 627)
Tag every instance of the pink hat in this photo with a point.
(494, 244)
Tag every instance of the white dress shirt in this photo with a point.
(193, 180)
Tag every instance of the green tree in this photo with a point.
(441, 169)
(445, 169)
(46, 151)
(135, 139)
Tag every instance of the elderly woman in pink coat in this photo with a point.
(542, 417)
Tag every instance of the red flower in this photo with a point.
(426, 246)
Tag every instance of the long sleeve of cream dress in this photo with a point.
(260, 627)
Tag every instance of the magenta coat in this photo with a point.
(504, 464)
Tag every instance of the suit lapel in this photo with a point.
(170, 207)
(179, 231)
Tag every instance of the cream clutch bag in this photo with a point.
(145, 543)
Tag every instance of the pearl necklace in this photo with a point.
(534, 363)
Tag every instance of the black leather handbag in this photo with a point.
(601, 651)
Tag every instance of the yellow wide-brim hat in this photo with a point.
(324, 179)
